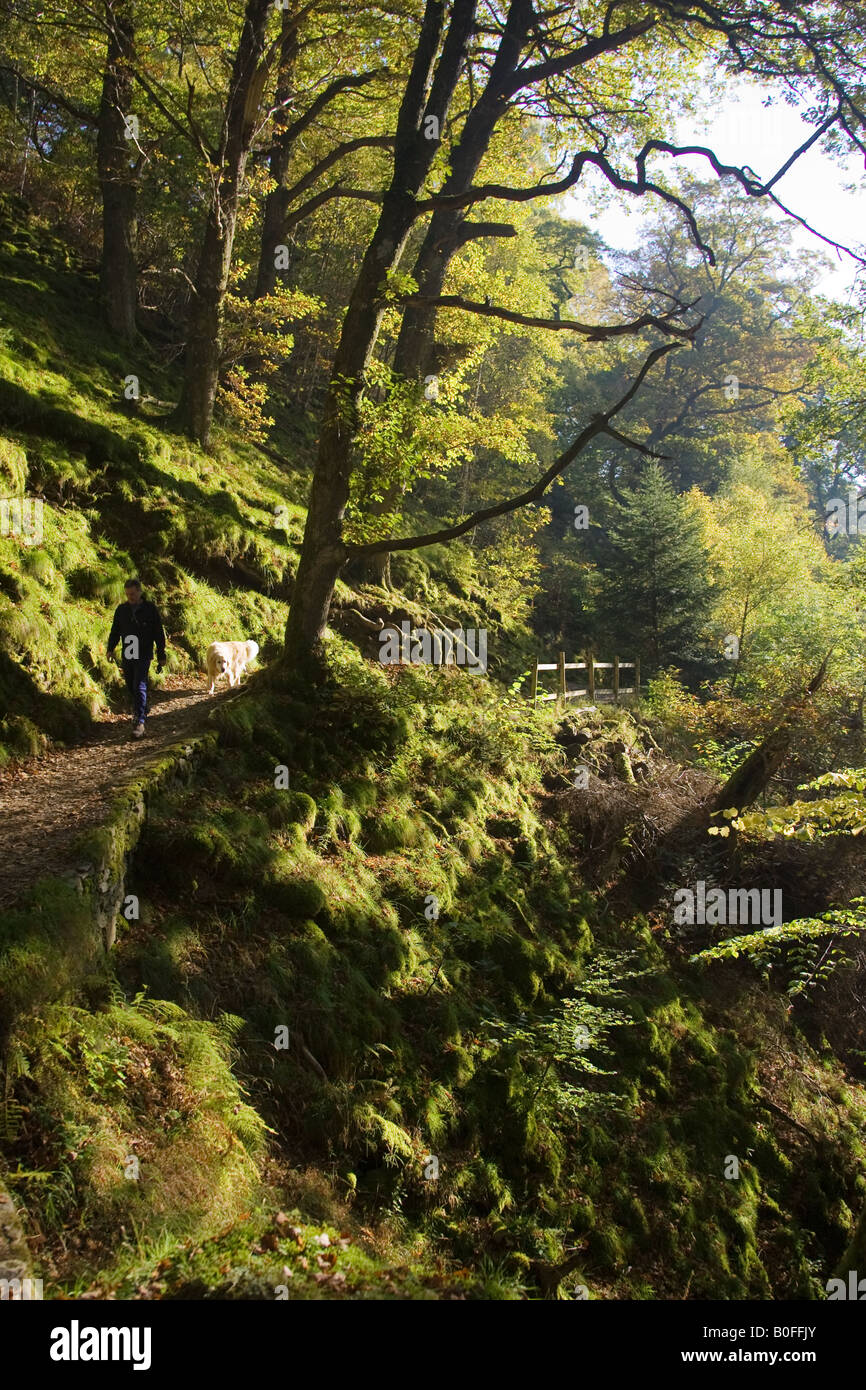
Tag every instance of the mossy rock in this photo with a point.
(286, 808)
(360, 792)
(622, 765)
(525, 850)
(605, 1247)
(389, 832)
(504, 827)
(301, 898)
(21, 737)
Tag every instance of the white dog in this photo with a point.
(229, 659)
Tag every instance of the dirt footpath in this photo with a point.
(47, 802)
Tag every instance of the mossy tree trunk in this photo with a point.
(117, 173)
(448, 231)
(204, 332)
(276, 203)
(752, 777)
(427, 98)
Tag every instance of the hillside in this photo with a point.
(345, 990)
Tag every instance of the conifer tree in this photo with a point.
(656, 592)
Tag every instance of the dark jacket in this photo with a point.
(142, 621)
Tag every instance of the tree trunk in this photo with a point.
(750, 779)
(324, 554)
(740, 640)
(204, 333)
(429, 92)
(117, 176)
(378, 570)
(447, 232)
(276, 203)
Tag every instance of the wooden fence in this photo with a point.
(594, 692)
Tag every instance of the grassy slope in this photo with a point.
(308, 908)
(120, 496)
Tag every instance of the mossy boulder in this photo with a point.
(504, 827)
(360, 792)
(285, 808)
(389, 832)
(300, 898)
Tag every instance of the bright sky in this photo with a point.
(745, 131)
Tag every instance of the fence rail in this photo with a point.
(590, 666)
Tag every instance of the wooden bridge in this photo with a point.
(592, 690)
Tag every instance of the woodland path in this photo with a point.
(47, 802)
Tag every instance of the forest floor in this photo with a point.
(47, 802)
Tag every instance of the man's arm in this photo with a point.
(114, 634)
(158, 636)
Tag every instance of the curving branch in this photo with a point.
(642, 185)
(473, 231)
(593, 332)
(553, 187)
(747, 180)
(599, 424)
(335, 190)
(633, 443)
(351, 82)
(382, 142)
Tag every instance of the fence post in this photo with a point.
(561, 659)
(590, 677)
(616, 680)
(533, 689)
(637, 678)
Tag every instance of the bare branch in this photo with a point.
(173, 120)
(593, 332)
(633, 443)
(351, 82)
(555, 67)
(383, 142)
(336, 190)
(599, 424)
(642, 185)
(747, 181)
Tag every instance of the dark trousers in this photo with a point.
(135, 675)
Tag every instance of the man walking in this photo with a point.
(138, 627)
